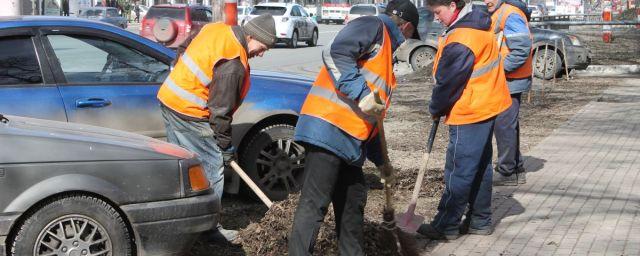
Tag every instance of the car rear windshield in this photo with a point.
(172, 13)
(92, 13)
(273, 10)
(363, 10)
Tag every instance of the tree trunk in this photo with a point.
(217, 9)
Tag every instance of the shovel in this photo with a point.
(410, 222)
(251, 184)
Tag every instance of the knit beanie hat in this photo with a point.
(262, 28)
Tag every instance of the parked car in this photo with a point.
(143, 11)
(105, 14)
(420, 53)
(360, 10)
(75, 70)
(293, 24)
(171, 24)
(73, 189)
(243, 12)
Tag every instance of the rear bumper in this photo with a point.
(578, 57)
(170, 227)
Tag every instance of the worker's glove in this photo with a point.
(372, 105)
(228, 155)
(387, 174)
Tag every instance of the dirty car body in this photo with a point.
(75, 70)
(141, 181)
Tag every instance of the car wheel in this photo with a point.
(73, 225)
(314, 39)
(274, 161)
(293, 42)
(539, 64)
(422, 58)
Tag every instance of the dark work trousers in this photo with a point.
(329, 179)
(507, 129)
(467, 177)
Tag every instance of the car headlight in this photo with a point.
(574, 40)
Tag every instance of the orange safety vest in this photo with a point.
(186, 89)
(486, 93)
(498, 21)
(326, 102)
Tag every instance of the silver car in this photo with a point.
(105, 14)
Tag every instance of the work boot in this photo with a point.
(433, 234)
(522, 175)
(465, 229)
(501, 180)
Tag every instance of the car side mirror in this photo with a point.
(310, 14)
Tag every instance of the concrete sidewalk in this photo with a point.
(583, 191)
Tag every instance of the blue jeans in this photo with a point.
(467, 178)
(197, 137)
(507, 129)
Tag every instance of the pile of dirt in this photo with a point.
(269, 236)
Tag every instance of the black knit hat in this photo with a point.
(262, 28)
(406, 11)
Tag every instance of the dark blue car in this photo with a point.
(81, 71)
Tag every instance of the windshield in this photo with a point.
(172, 13)
(273, 10)
(363, 10)
(92, 13)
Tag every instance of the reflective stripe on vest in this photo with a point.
(186, 89)
(486, 93)
(326, 102)
(498, 21)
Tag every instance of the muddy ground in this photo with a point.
(407, 126)
(624, 50)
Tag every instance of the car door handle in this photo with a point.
(92, 103)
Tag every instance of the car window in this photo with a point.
(172, 13)
(363, 10)
(209, 15)
(295, 11)
(85, 59)
(199, 15)
(112, 13)
(241, 10)
(303, 12)
(273, 10)
(93, 13)
(18, 61)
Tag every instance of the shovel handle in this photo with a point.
(425, 161)
(251, 184)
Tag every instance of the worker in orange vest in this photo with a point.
(510, 22)
(338, 122)
(470, 90)
(206, 86)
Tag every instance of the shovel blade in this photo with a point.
(409, 222)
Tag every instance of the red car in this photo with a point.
(171, 24)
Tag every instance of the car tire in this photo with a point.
(538, 64)
(422, 57)
(293, 41)
(274, 162)
(66, 223)
(164, 30)
(314, 39)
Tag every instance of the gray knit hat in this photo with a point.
(262, 28)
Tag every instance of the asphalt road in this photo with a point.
(303, 60)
